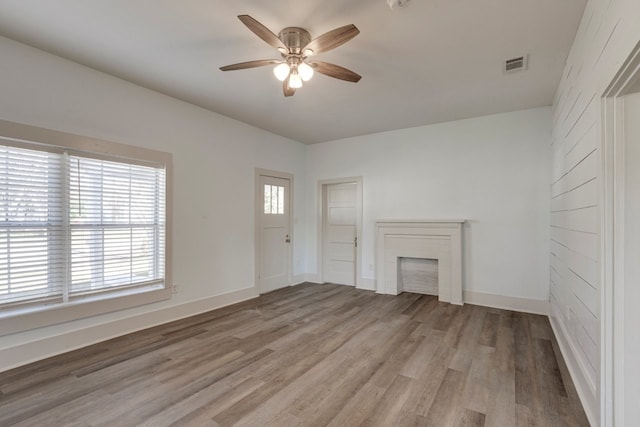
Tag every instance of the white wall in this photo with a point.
(214, 160)
(492, 171)
(607, 34)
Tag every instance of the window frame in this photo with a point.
(17, 319)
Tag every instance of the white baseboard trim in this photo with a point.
(525, 305)
(298, 279)
(585, 391)
(367, 284)
(311, 278)
(22, 354)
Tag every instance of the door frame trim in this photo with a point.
(612, 195)
(359, 208)
(258, 204)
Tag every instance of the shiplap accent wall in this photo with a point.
(607, 34)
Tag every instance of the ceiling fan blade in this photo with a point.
(263, 32)
(288, 90)
(331, 40)
(335, 71)
(250, 64)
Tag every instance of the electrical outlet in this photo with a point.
(175, 289)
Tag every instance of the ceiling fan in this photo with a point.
(296, 47)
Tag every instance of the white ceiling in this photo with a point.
(432, 61)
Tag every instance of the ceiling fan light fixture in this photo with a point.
(295, 82)
(295, 46)
(281, 71)
(305, 71)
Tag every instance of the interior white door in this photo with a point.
(631, 291)
(275, 236)
(340, 238)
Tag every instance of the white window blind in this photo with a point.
(30, 225)
(75, 226)
(116, 221)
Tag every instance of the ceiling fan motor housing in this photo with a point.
(295, 38)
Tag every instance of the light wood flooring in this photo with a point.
(309, 355)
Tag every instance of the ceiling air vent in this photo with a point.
(515, 64)
(398, 3)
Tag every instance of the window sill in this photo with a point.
(22, 319)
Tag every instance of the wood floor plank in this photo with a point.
(489, 330)
(69, 413)
(463, 335)
(322, 404)
(444, 322)
(548, 373)
(447, 403)
(479, 385)
(527, 391)
(359, 407)
(429, 310)
(391, 403)
(421, 356)
(309, 355)
(279, 391)
(501, 409)
(469, 418)
(431, 384)
(284, 419)
(206, 404)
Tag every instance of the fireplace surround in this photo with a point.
(439, 240)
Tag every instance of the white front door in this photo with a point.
(275, 236)
(340, 225)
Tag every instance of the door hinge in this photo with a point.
(355, 241)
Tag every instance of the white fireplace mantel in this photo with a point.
(439, 239)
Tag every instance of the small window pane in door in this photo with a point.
(273, 199)
(267, 198)
(280, 201)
